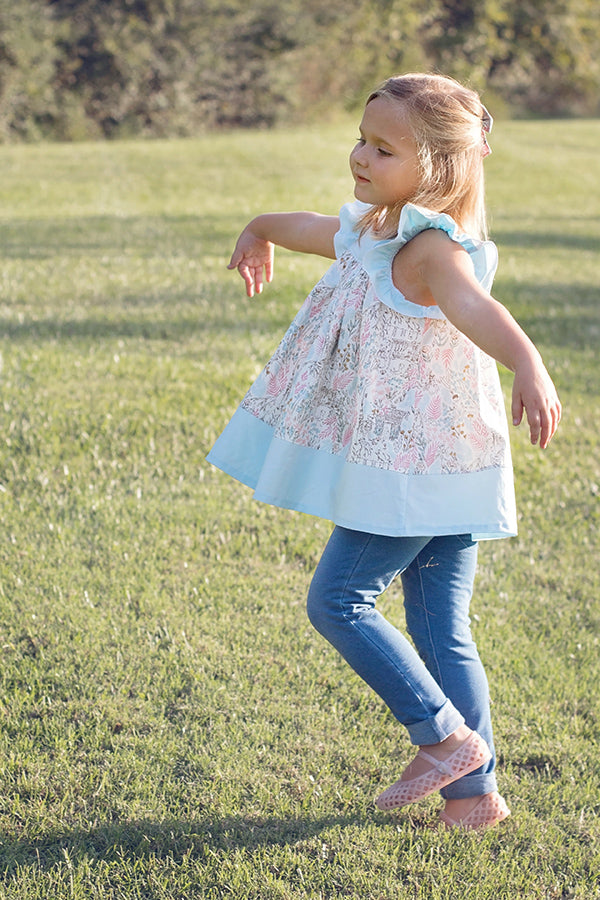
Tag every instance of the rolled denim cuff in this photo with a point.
(437, 728)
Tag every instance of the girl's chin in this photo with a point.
(362, 192)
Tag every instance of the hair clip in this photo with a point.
(486, 127)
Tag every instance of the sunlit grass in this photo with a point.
(171, 727)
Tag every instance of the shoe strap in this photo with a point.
(438, 764)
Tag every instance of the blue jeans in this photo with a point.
(442, 684)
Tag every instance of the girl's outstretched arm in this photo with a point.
(446, 270)
(305, 232)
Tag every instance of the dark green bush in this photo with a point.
(73, 69)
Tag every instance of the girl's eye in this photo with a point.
(383, 152)
(360, 140)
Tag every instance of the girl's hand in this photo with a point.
(534, 393)
(304, 232)
(251, 256)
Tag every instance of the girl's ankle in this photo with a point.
(449, 744)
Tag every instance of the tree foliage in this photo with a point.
(74, 69)
(542, 56)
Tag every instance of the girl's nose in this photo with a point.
(359, 156)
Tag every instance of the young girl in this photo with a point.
(381, 411)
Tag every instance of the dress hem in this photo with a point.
(359, 497)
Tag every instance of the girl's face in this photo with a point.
(384, 162)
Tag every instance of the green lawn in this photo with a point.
(171, 726)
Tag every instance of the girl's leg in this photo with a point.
(354, 570)
(438, 585)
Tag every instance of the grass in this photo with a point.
(171, 727)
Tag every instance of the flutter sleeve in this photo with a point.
(377, 256)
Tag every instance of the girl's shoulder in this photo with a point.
(413, 220)
(376, 255)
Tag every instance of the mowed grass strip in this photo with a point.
(170, 725)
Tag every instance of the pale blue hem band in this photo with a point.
(364, 498)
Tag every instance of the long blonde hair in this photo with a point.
(446, 121)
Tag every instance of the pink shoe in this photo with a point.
(490, 810)
(472, 753)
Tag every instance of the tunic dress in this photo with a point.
(374, 412)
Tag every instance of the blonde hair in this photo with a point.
(446, 120)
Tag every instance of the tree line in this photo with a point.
(84, 69)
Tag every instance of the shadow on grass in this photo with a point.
(556, 314)
(548, 238)
(223, 323)
(171, 839)
(145, 236)
(211, 235)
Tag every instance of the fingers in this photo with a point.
(550, 424)
(536, 429)
(517, 407)
(550, 418)
(269, 268)
(543, 415)
(252, 259)
(258, 279)
(253, 278)
(248, 275)
(543, 423)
